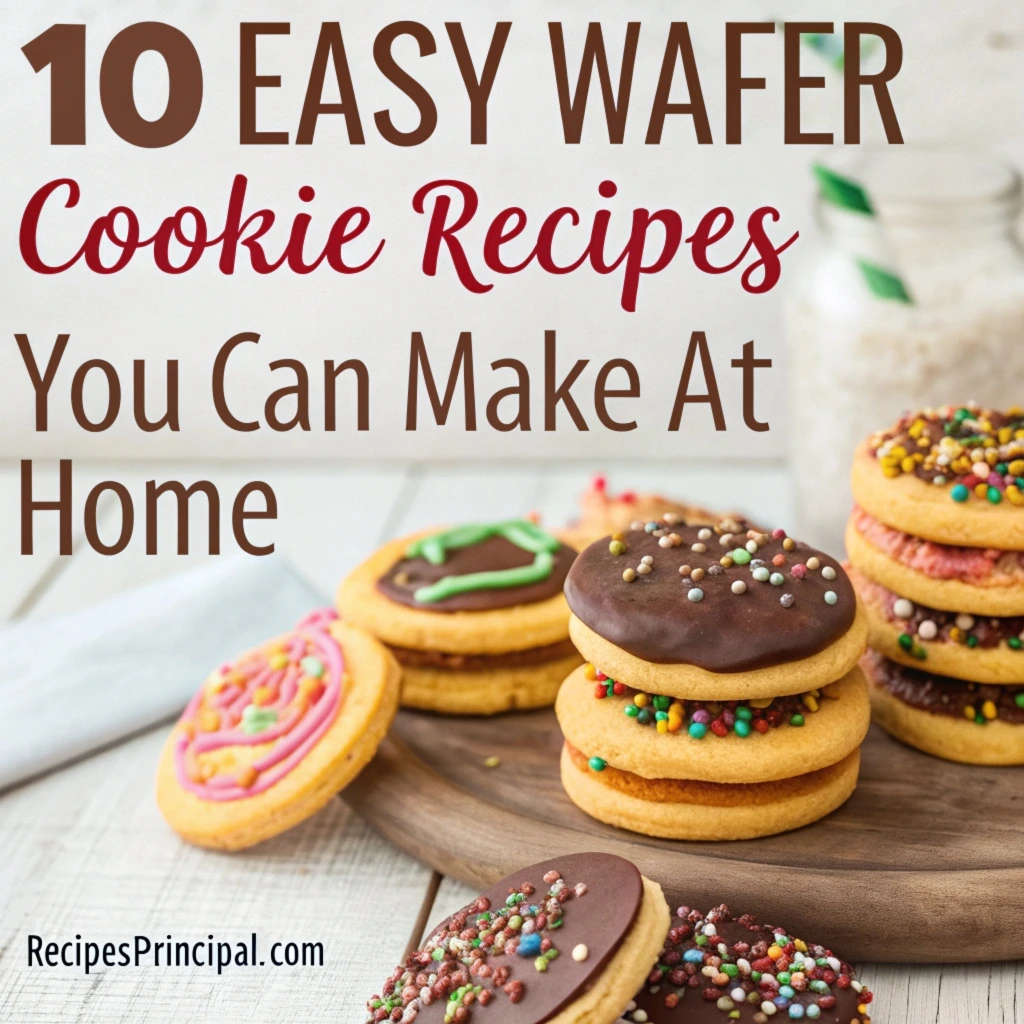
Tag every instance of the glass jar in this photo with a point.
(944, 225)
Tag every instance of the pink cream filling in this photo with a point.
(979, 566)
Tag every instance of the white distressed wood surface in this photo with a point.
(84, 851)
(92, 856)
(21, 574)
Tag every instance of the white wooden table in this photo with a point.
(83, 850)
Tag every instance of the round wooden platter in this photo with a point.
(924, 863)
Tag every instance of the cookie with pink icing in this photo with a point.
(271, 737)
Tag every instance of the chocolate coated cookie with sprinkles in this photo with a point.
(953, 475)
(567, 941)
(717, 968)
(712, 612)
(722, 697)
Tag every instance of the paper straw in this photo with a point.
(851, 197)
(829, 46)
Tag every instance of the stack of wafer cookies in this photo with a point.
(721, 698)
(474, 614)
(936, 546)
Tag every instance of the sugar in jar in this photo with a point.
(919, 303)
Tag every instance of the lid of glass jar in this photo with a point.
(918, 182)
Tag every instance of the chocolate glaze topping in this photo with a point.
(677, 991)
(653, 617)
(400, 582)
(599, 918)
(941, 695)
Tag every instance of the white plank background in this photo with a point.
(83, 850)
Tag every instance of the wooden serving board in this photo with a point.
(925, 863)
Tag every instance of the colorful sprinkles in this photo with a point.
(741, 550)
(255, 720)
(669, 715)
(920, 625)
(975, 452)
(985, 711)
(469, 961)
(743, 964)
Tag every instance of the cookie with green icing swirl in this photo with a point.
(479, 567)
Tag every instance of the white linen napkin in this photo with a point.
(77, 682)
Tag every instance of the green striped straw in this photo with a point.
(848, 195)
(829, 45)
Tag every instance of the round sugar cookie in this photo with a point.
(720, 612)
(566, 941)
(603, 512)
(830, 725)
(400, 592)
(954, 475)
(947, 718)
(694, 683)
(680, 809)
(488, 692)
(727, 991)
(981, 581)
(974, 648)
(270, 738)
